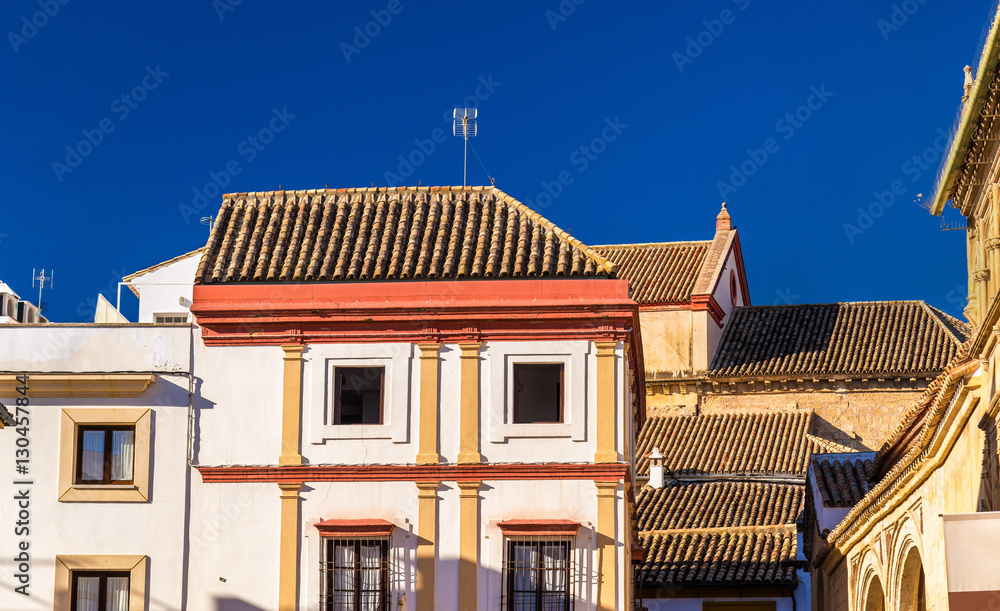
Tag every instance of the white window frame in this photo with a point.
(322, 360)
(501, 358)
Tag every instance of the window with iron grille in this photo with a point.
(537, 573)
(355, 574)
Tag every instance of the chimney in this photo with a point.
(656, 469)
(723, 222)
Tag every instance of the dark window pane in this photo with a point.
(359, 395)
(538, 393)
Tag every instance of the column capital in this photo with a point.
(606, 488)
(470, 350)
(429, 351)
(293, 351)
(469, 489)
(605, 348)
(428, 490)
(290, 490)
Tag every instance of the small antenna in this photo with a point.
(210, 221)
(465, 127)
(41, 278)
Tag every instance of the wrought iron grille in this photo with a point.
(538, 574)
(355, 574)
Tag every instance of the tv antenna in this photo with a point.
(465, 127)
(41, 279)
(208, 220)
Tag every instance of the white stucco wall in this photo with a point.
(161, 289)
(239, 397)
(154, 529)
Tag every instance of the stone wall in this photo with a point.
(861, 420)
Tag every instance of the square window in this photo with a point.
(355, 574)
(538, 392)
(100, 590)
(537, 574)
(105, 454)
(359, 395)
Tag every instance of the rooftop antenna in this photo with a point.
(210, 221)
(41, 279)
(465, 127)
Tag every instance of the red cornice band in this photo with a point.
(603, 472)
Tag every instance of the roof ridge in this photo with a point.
(940, 315)
(610, 267)
(651, 244)
(767, 528)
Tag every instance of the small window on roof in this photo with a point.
(538, 392)
(162, 319)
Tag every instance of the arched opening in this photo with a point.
(911, 583)
(875, 599)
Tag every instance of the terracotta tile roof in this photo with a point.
(899, 337)
(658, 273)
(720, 557)
(763, 443)
(842, 480)
(717, 505)
(388, 234)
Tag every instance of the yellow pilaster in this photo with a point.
(606, 451)
(291, 407)
(468, 445)
(468, 555)
(288, 555)
(427, 499)
(429, 380)
(607, 595)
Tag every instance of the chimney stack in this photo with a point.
(723, 222)
(656, 469)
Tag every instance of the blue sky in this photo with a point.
(622, 122)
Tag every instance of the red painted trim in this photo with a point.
(707, 303)
(741, 271)
(355, 528)
(416, 473)
(539, 528)
(444, 310)
(638, 553)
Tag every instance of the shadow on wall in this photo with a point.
(234, 604)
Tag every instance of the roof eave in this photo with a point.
(963, 138)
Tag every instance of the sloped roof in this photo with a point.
(762, 443)
(720, 557)
(843, 480)
(658, 273)
(896, 337)
(389, 234)
(717, 505)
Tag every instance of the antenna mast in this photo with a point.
(41, 278)
(465, 127)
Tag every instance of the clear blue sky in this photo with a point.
(548, 78)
